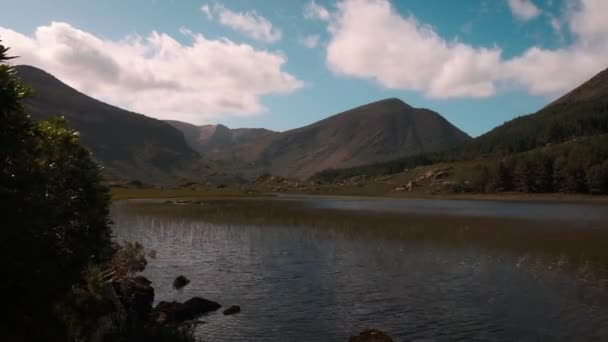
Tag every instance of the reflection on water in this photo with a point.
(304, 274)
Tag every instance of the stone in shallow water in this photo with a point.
(232, 310)
(180, 282)
(371, 335)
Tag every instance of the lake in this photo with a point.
(306, 268)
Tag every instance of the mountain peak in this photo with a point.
(391, 102)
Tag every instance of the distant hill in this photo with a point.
(374, 132)
(581, 112)
(127, 144)
(213, 139)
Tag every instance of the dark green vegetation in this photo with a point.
(55, 208)
(561, 148)
(131, 193)
(127, 144)
(56, 253)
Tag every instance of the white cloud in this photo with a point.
(315, 11)
(524, 9)
(544, 71)
(207, 10)
(157, 75)
(248, 23)
(310, 41)
(369, 39)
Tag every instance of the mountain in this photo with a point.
(561, 148)
(581, 112)
(127, 144)
(375, 132)
(371, 133)
(213, 139)
(134, 146)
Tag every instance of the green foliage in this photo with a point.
(575, 167)
(556, 123)
(380, 169)
(55, 212)
(129, 259)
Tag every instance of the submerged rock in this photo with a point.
(371, 335)
(176, 312)
(180, 282)
(232, 310)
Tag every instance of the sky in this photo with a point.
(283, 64)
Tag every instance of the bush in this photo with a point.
(56, 213)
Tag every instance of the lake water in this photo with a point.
(323, 269)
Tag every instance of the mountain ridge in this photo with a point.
(127, 144)
(369, 133)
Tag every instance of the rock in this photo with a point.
(409, 186)
(232, 310)
(441, 174)
(176, 312)
(137, 296)
(180, 282)
(371, 335)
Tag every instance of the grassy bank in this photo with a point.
(136, 193)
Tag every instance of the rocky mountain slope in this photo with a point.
(127, 144)
(371, 133)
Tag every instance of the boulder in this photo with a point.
(232, 310)
(180, 282)
(371, 335)
(137, 296)
(176, 312)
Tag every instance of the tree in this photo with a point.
(523, 175)
(56, 213)
(597, 178)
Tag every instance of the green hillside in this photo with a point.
(561, 148)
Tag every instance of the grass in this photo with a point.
(577, 241)
(135, 193)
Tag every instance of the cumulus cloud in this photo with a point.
(524, 9)
(157, 75)
(248, 23)
(551, 72)
(310, 41)
(316, 12)
(369, 39)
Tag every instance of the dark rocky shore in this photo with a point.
(134, 299)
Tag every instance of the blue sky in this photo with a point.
(481, 62)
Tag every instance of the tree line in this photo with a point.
(579, 166)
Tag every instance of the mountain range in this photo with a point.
(134, 146)
(375, 132)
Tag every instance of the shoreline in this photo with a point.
(119, 194)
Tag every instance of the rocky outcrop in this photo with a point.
(371, 335)
(136, 295)
(176, 312)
